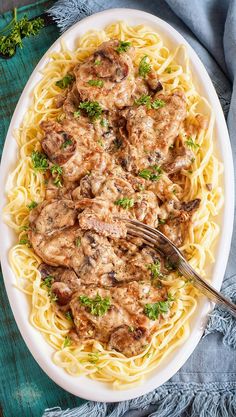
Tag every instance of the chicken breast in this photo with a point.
(107, 76)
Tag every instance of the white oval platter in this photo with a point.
(20, 305)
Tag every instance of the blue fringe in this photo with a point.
(170, 400)
(221, 321)
(67, 12)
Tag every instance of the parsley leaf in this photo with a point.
(67, 342)
(152, 174)
(67, 143)
(32, 205)
(92, 108)
(96, 83)
(104, 123)
(65, 81)
(69, 316)
(76, 113)
(191, 144)
(123, 47)
(97, 62)
(39, 160)
(155, 269)
(145, 100)
(144, 67)
(56, 171)
(48, 281)
(152, 311)
(97, 306)
(25, 241)
(125, 202)
(156, 104)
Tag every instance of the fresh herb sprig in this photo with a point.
(15, 31)
(97, 306)
(18, 30)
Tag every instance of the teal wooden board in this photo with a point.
(25, 390)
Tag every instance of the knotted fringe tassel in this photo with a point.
(67, 12)
(171, 400)
(223, 322)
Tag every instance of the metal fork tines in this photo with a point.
(155, 239)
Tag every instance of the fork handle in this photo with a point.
(207, 289)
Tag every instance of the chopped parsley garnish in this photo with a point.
(123, 47)
(155, 269)
(145, 100)
(97, 306)
(15, 31)
(162, 221)
(152, 174)
(76, 113)
(192, 160)
(168, 70)
(97, 62)
(65, 81)
(93, 357)
(48, 281)
(104, 123)
(25, 241)
(144, 67)
(67, 342)
(39, 160)
(68, 316)
(96, 83)
(152, 311)
(56, 171)
(125, 202)
(92, 108)
(191, 144)
(78, 242)
(32, 205)
(101, 143)
(157, 104)
(67, 143)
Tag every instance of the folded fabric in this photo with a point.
(206, 384)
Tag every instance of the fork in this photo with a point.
(157, 240)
